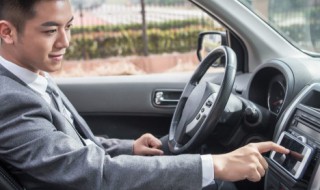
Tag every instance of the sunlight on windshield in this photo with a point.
(296, 20)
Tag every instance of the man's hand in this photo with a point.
(147, 144)
(245, 162)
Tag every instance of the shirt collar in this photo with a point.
(33, 80)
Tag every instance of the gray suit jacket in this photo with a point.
(38, 150)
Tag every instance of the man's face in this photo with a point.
(44, 39)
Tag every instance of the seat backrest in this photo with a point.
(7, 182)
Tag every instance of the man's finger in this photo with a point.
(263, 162)
(268, 146)
(153, 151)
(261, 170)
(254, 177)
(155, 143)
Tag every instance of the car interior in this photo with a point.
(269, 90)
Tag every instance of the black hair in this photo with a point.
(17, 12)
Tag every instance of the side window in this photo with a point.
(129, 37)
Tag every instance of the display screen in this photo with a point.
(292, 161)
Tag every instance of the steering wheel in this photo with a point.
(201, 103)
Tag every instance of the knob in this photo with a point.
(251, 115)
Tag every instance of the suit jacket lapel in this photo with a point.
(80, 123)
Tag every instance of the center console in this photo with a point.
(299, 131)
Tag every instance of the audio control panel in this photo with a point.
(303, 128)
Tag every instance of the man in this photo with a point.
(45, 144)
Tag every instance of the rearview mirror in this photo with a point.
(207, 41)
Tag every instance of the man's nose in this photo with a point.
(64, 40)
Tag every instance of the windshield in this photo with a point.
(296, 20)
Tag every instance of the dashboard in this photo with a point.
(287, 91)
(280, 96)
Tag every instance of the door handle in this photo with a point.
(167, 97)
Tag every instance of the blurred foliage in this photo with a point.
(151, 25)
(124, 40)
(130, 43)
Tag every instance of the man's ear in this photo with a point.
(6, 32)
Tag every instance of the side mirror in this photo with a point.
(207, 41)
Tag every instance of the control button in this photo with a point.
(198, 116)
(202, 110)
(208, 103)
(251, 115)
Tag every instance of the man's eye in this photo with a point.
(68, 27)
(50, 31)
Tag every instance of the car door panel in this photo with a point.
(123, 106)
